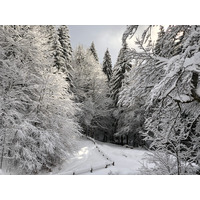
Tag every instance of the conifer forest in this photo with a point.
(64, 111)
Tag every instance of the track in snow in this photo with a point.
(127, 161)
(86, 158)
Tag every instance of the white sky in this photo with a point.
(103, 36)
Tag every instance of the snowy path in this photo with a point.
(126, 161)
(83, 160)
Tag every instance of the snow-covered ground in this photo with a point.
(86, 157)
(97, 156)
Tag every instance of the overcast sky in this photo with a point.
(104, 36)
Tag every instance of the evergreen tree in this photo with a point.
(61, 50)
(93, 52)
(122, 65)
(133, 93)
(91, 90)
(79, 56)
(159, 45)
(50, 32)
(107, 65)
(64, 39)
(59, 58)
(37, 115)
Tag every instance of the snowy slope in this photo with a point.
(98, 158)
(86, 157)
(126, 161)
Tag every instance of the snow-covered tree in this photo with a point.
(122, 65)
(133, 94)
(59, 58)
(64, 39)
(159, 44)
(93, 52)
(37, 115)
(171, 42)
(92, 91)
(175, 104)
(171, 100)
(107, 65)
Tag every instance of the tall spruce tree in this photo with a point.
(93, 52)
(122, 65)
(55, 49)
(159, 45)
(107, 65)
(64, 39)
(59, 58)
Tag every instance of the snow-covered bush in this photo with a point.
(162, 163)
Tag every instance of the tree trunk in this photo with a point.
(118, 140)
(86, 131)
(122, 140)
(127, 139)
(178, 163)
(105, 138)
(2, 153)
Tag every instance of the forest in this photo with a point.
(51, 95)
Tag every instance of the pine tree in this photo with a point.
(79, 56)
(91, 90)
(59, 58)
(107, 65)
(64, 39)
(158, 46)
(93, 52)
(133, 93)
(122, 65)
(50, 32)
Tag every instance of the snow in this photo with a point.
(182, 98)
(97, 158)
(198, 90)
(86, 157)
(126, 161)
